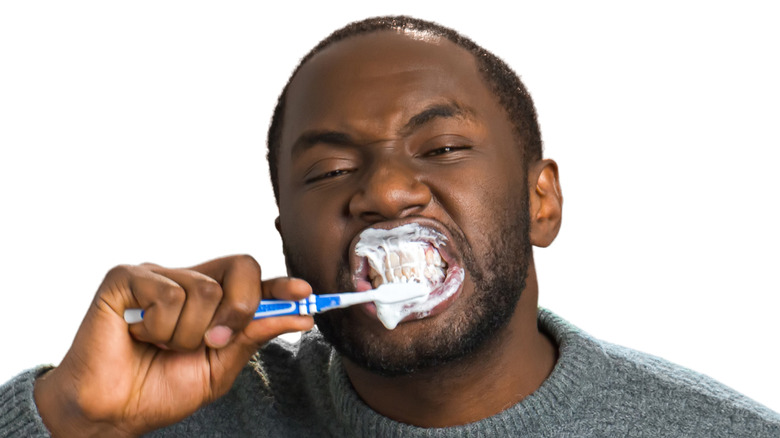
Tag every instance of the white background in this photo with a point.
(135, 131)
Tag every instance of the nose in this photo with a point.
(389, 189)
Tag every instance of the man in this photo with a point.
(389, 123)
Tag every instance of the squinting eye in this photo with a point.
(445, 150)
(326, 175)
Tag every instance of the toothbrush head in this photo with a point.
(394, 293)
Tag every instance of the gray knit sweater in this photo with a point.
(596, 389)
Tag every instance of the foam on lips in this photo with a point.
(408, 253)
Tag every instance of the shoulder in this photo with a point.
(639, 391)
(685, 395)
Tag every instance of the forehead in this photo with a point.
(375, 82)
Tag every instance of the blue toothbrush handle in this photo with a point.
(268, 308)
(306, 306)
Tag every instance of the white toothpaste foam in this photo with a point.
(407, 245)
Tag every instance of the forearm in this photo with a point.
(18, 412)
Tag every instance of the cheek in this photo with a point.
(313, 237)
(473, 192)
(481, 200)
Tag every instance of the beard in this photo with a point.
(498, 273)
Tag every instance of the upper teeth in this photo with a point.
(402, 254)
(410, 261)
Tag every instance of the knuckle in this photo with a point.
(119, 271)
(209, 290)
(246, 262)
(238, 313)
(169, 294)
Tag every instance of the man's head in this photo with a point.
(400, 125)
(498, 76)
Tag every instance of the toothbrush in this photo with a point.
(390, 293)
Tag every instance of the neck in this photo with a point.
(505, 370)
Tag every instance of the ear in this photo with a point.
(545, 202)
(278, 225)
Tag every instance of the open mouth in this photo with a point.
(407, 253)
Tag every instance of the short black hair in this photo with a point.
(499, 77)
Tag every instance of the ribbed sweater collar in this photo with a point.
(550, 405)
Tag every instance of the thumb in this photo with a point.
(258, 332)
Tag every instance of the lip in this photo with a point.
(448, 251)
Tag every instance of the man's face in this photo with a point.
(386, 129)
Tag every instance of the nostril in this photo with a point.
(371, 217)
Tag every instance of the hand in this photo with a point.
(196, 336)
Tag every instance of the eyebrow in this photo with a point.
(311, 138)
(446, 110)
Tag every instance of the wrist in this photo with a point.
(60, 410)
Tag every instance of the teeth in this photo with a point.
(415, 261)
(408, 262)
(437, 259)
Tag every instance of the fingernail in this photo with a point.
(218, 336)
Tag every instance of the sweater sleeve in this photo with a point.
(18, 413)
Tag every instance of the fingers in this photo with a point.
(210, 303)
(162, 299)
(284, 288)
(201, 295)
(240, 278)
(261, 331)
